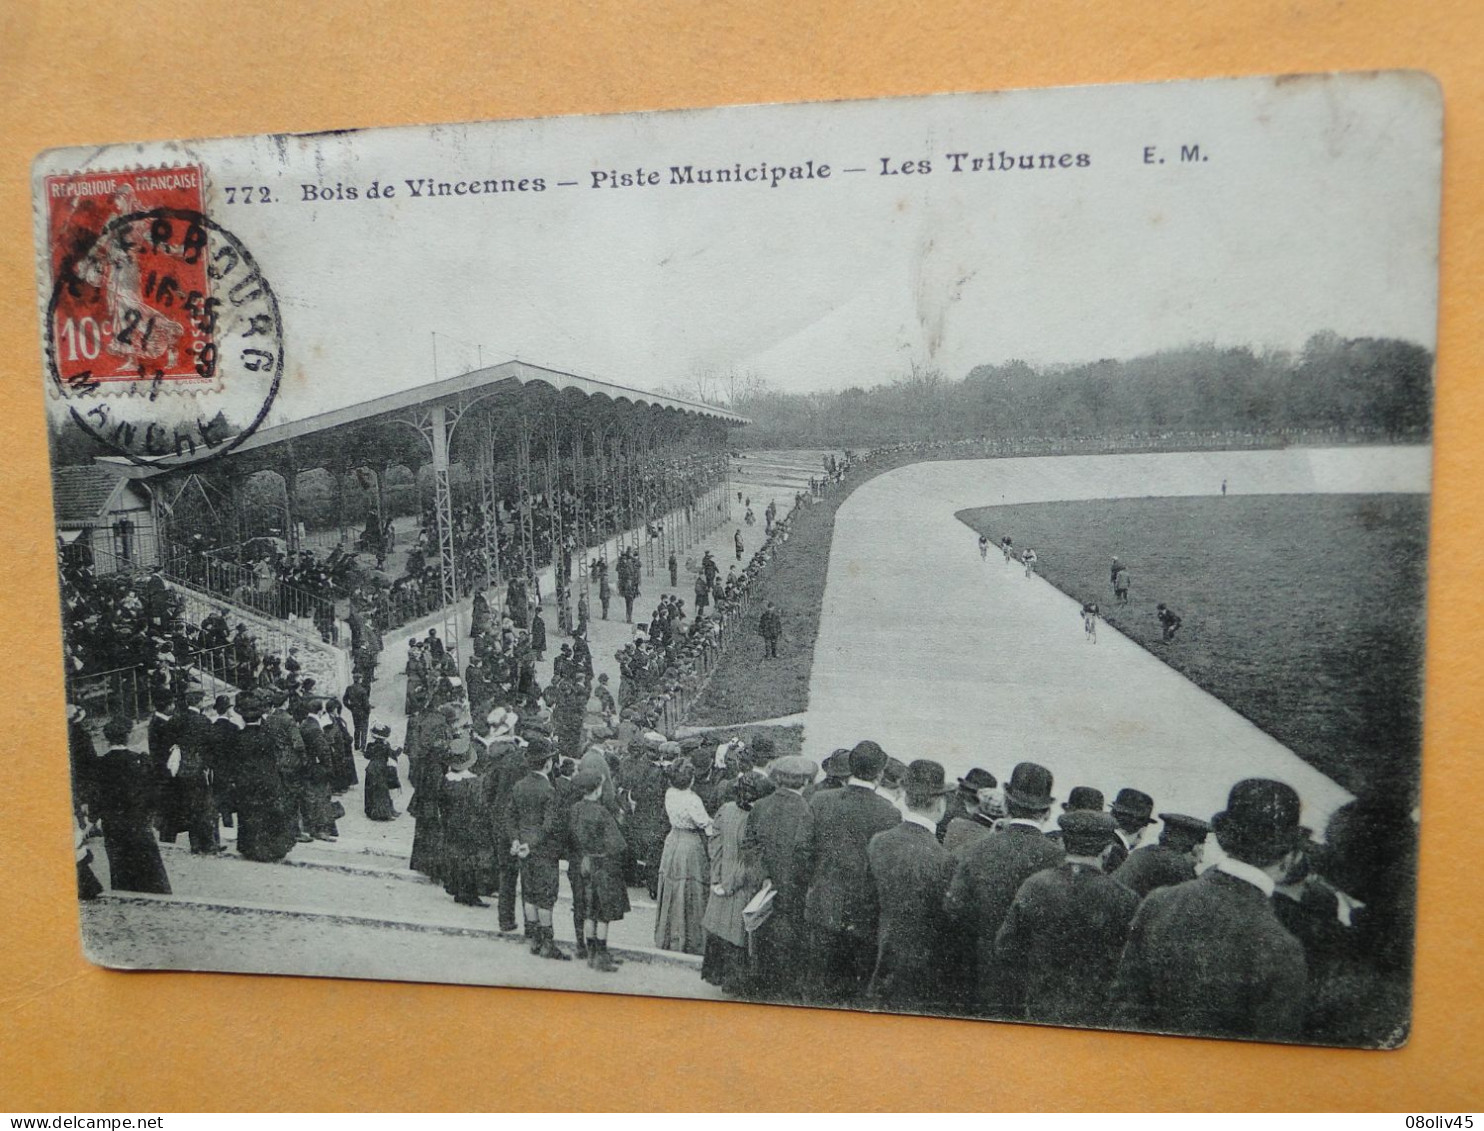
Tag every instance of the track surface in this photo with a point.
(935, 654)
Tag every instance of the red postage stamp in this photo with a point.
(138, 316)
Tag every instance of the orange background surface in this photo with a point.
(77, 1038)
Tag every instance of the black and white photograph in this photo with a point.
(960, 555)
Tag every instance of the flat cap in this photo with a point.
(794, 764)
(1192, 825)
(1086, 831)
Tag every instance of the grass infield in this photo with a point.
(1304, 613)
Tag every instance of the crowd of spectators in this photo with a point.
(128, 645)
(529, 528)
(263, 575)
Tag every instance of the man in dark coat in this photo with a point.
(1083, 797)
(777, 827)
(195, 788)
(510, 769)
(288, 745)
(358, 703)
(84, 755)
(538, 843)
(1172, 861)
(975, 820)
(1209, 956)
(569, 714)
(840, 906)
(989, 872)
(479, 614)
(628, 583)
(538, 634)
(515, 602)
(909, 871)
(225, 728)
(316, 810)
(1062, 937)
(582, 658)
(770, 627)
(836, 773)
(964, 801)
(1133, 811)
(164, 737)
(266, 807)
(649, 824)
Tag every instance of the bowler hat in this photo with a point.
(118, 729)
(1086, 832)
(924, 779)
(977, 779)
(1261, 819)
(837, 765)
(1084, 798)
(867, 760)
(1133, 806)
(1030, 786)
(538, 754)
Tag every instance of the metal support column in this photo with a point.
(558, 534)
(448, 577)
(526, 513)
(383, 515)
(489, 502)
(340, 470)
(582, 517)
(647, 483)
(289, 469)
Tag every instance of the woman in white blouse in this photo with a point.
(685, 867)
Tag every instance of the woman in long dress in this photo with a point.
(128, 796)
(342, 746)
(381, 776)
(465, 823)
(725, 961)
(685, 868)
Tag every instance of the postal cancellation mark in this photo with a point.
(149, 296)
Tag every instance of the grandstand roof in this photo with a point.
(509, 378)
(80, 494)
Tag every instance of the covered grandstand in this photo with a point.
(526, 472)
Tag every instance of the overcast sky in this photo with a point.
(1315, 208)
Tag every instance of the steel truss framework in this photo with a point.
(527, 434)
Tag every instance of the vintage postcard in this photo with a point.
(960, 555)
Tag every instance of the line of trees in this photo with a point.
(1379, 387)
